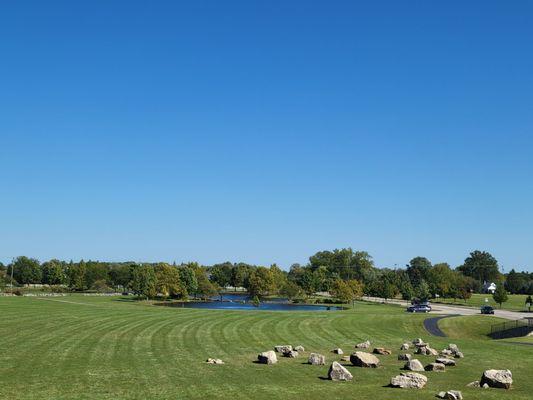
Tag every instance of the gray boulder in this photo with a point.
(497, 378)
(365, 360)
(364, 345)
(283, 348)
(405, 346)
(299, 349)
(382, 351)
(291, 354)
(409, 380)
(338, 373)
(446, 361)
(337, 351)
(413, 365)
(459, 355)
(316, 359)
(267, 357)
(437, 367)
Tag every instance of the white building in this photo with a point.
(489, 287)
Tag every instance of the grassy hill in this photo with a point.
(79, 347)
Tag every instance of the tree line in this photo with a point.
(345, 273)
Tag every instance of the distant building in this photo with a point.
(489, 287)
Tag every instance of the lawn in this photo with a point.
(516, 302)
(80, 347)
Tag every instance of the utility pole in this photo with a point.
(12, 268)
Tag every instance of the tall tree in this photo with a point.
(188, 278)
(418, 270)
(53, 272)
(261, 282)
(26, 270)
(482, 266)
(168, 281)
(144, 281)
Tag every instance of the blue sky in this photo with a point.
(266, 131)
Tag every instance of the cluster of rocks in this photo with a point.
(424, 348)
(406, 380)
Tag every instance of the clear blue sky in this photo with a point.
(266, 131)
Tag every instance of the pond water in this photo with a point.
(228, 305)
(242, 302)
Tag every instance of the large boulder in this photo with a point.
(382, 351)
(283, 348)
(299, 349)
(405, 346)
(497, 378)
(363, 345)
(409, 380)
(316, 359)
(338, 373)
(404, 357)
(413, 365)
(267, 357)
(365, 360)
(446, 361)
(459, 355)
(437, 367)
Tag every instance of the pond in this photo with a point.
(241, 302)
(228, 305)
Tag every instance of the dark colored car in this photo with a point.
(487, 310)
(419, 308)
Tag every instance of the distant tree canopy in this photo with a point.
(345, 273)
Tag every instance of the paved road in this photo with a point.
(449, 309)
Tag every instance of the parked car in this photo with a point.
(487, 310)
(425, 308)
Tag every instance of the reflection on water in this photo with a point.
(242, 302)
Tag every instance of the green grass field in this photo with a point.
(516, 302)
(80, 347)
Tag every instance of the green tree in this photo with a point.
(291, 290)
(482, 266)
(53, 273)
(26, 270)
(76, 276)
(261, 282)
(422, 291)
(120, 275)
(500, 295)
(279, 278)
(144, 281)
(221, 274)
(418, 270)
(168, 281)
(529, 303)
(188, 278)
(206, 288)
(239, 275)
